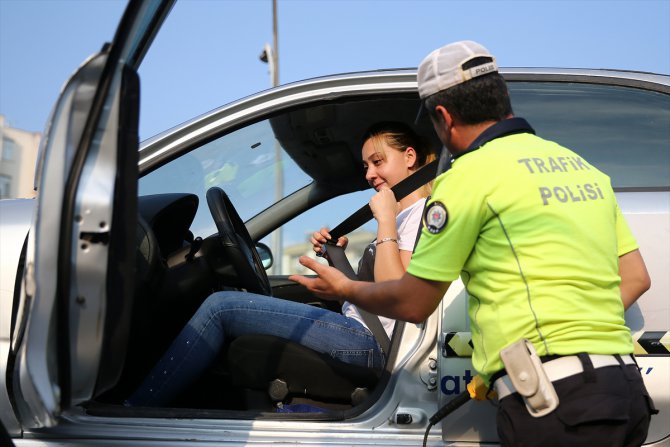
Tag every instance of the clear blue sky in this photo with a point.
(207, 53)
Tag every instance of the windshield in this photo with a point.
(249, 164)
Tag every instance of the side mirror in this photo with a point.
(265, 254)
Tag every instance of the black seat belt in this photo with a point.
(336, 257)
(404, 188)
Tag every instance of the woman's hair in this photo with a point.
(400, 136)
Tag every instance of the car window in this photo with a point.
(621, 130)
(249, 164)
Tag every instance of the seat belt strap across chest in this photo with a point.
(422, 176)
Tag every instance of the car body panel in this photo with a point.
(15, 221)
(408, 391)
(422, 377)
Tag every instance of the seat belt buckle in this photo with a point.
(525, 371)
(323, 253)
(335, 256)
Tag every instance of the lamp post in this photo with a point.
(270, 56)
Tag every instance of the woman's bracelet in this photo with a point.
(386, 239)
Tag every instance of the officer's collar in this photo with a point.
(500, 129)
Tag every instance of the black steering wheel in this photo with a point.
(237, 244)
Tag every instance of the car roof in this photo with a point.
(333, 124)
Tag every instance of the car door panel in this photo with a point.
(40, 381)
(77, 324)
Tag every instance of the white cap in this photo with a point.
(443, 68)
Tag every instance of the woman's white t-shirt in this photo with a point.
(407, 224)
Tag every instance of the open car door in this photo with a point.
(70, 339)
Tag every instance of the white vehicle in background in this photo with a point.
(119, 248)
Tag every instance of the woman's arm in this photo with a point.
(390, 261)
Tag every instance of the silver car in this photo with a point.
(119, 248)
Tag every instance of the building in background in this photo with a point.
(18, 154)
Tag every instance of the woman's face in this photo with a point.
(385, 169)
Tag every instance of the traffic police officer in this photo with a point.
(548, 261)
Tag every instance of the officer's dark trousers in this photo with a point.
(606, 407)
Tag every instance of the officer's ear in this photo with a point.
(444, 116)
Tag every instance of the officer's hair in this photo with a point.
(481, 99)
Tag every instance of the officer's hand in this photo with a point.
(319, 238)
(330, 284)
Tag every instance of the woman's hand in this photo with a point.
(319, 238)
(384, 206)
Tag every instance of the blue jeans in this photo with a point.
(226, 315)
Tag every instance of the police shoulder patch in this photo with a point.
(435, 217)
